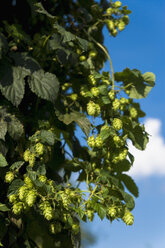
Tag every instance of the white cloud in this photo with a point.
(152, 160)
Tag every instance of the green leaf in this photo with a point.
(105, 134)
(40, 9)
(3, 207)
(103, 90)
(15, 128)
(149, 78)
(79, 118)
(3, 148)
(17, 165)
(3, 162)
(14, 186)
(12, 84)
(136, 133)
(138, 85)
(129, 200)
(3, 129)
(105, 99)
(44, 85)
(47, 137)
(130, 184)
(101, 210)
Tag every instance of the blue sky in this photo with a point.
(142, 46)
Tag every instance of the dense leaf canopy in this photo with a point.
(52, 81)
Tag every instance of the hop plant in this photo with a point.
(12, 198)
(121, 25)
(117, 124)
(117, 4)
(22, 192)
(82, 58)
(92, 80)
(128, 217)
(98, 142)
(39, 147)
(26, 155)
(95, 91)
(91, 108)
(109, 11)
(111, 95)
(46, 210)
(73, 97)
(91, 141)
(28, 182)
(17, 208)
(123, 154)
(9, 177)
(116, 104)
(92, 54)
(32, 159)
(97, 109)
(31, 197)
(90, 214)
(112, 211)
(110, 25)
(133, 113)
(42, 178)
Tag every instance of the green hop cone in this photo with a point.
(97, 109)
(26, 155)
(22, 192)
(76, 228)
(117, 4)
(12, 198)
(117, 124)
(32, 159)
(82, 58)
(92, 80)
(90, 215)
(31, 197)
(114, 32)
(111, 95)
(28, 182)
(73, 97)
(123, 154)
(95, 91)
(110, 25)
(9, 177)
(91, 141)
(128, 217)
(133, 113)
(92, 54)
(112, 211)
(98, 142)
(46, 210)
(121, 25)
(42, 178)
(116, 104)
(91, 108)
(39, 147)
(17, 208)
(109, 11)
